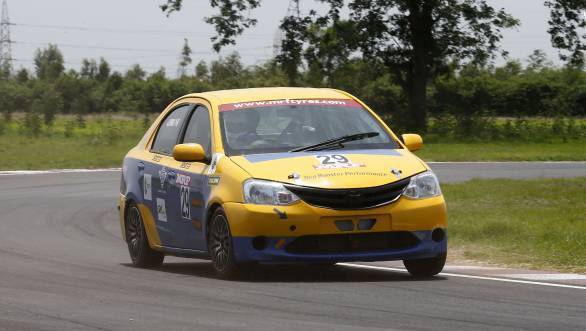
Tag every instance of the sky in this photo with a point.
(125, 32)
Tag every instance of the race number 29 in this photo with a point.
(332, 159)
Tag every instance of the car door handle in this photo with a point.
(140, 165)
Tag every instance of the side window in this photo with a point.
(168, 132)
(199, 129)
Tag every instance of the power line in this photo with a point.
(144, 50)
(118, 30)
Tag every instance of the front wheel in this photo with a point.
(141, 253)
(426, 267)
(220, 246)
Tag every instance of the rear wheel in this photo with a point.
(141, 253)
(220, 246)
(426, 267)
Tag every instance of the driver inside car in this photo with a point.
(243, 126)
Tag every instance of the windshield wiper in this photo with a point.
(328, 144)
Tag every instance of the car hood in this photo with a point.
(329, 169)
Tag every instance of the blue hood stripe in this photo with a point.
(255, 158)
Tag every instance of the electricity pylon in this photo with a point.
(5, 42)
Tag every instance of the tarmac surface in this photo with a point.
(63, 265)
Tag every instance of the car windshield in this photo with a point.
(284, 125)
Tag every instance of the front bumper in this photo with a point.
(275, 251)
(280, 226)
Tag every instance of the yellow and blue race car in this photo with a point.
(280, 175)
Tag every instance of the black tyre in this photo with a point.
(220, 246)
(426, 267)
(141, 253)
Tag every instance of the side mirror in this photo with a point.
(412, 141)
(189, 153)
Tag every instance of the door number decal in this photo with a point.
(185, 205)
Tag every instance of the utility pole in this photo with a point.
(292, 10)
(5, 43)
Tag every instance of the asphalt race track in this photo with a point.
(64, 266)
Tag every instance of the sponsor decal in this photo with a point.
(345, 173)
(183, 180)
(161, 210)
(173, 122)
(157, 158)
(291, 102)
(213, 180)
(185, 203)
(163, 173)
(147, 187)
(335, 161)
(214, 164)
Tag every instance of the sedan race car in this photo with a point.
(280, 175)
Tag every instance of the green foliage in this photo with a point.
(185, 58)
(230, 22)
(102, 143)
(49, 63)
(32, 121)
(463, 103)
(567, 27)
(68, 129)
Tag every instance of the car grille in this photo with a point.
(347, 243)
(359, 198)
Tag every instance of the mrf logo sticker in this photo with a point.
(335, 161)
(147, 187)
(214, 164)
(185, 202)
(161, 210)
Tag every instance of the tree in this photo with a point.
(229, 22)
(89, 69)
(135, 73)
(227, 72)
(202, 71)
(103, 70)
(538, 61)
(413, 39)
(290, 58)
(185, 59)
(22, 75)
(567, 27)
(52, 104)
(49, 64)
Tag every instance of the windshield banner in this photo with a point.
(291, 102)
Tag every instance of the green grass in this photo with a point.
(101, 143)
(537, 224)
(574, 150)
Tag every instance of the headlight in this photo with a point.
(424, 185)
(262, 192)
